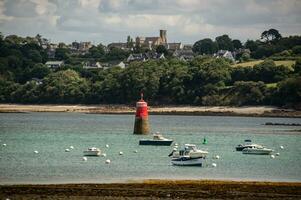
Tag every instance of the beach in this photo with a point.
(156, 189)
(257, 111)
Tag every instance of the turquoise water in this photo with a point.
(52, 133)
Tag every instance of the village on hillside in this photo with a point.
(141, 49)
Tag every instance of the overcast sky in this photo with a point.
(186, 21)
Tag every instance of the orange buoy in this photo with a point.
(141, 118)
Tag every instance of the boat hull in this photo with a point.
(239, 148)
(257, 152)
(158, 143)
(92, 153)
(187, 161)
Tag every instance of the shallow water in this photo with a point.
(52, 133)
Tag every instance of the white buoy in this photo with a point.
(272, 156)
(175, 149)
(136, 151)
(4, 145)
(67, 150)
(277, 154)
(107, 146)
(108, 161)
(216, 157)
(85, 159)
(104, 155)
(71, 147)
(120, 153)
(213, 165)
(176, 144)
(36, 151)
(281, 147)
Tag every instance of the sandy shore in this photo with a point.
(176, 110)
(156, 189)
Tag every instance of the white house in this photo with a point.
(224, 54)
(54, 64)
(92, 65)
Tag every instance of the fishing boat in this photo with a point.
(93, 151)
(188, 150)
(257, 150)
(157, 139)
(247, 144)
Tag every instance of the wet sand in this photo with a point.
(264, 111)
(156, 189)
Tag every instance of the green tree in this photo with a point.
(237, 44)
(205, 46)
(64, 87)
(204, 71)
(224, 42)
(252, 45)
(270, 35)
(248, 93)
(289, 92)
(39, 71)
(162, 49)
(297, 66)
(129, 41)
(97, 51)
(62, 54)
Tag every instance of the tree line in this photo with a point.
(203, 81)
(271, 43)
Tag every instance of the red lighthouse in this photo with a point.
(141, 118)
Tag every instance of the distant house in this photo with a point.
(38, 81)
(51, 53)
(154, 55)
(145, 56)
(174, 46)
(136, 57)
(119, 45)
(187, 46)
(185, 55)
(92, 65)
(54, 64)
(120, 64)
(225, 54)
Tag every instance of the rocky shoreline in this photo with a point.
(156, 189)
(255, 111)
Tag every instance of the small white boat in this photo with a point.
(257, 150)
(187, 161)
(158, 139)
(247, 144)
(189, 150)
(93, 151)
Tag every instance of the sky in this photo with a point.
(186, 21)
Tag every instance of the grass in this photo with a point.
(271, 85)
(287, 63)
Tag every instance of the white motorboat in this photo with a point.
(189, 150)
(247, 144)
(158, 139)
(187, 161)
(257, 150)
(93, 151)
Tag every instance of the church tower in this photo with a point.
(163, 36)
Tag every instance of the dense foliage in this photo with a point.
(203, 81)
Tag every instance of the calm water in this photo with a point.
(52, 133)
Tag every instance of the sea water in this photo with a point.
(51, 133)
